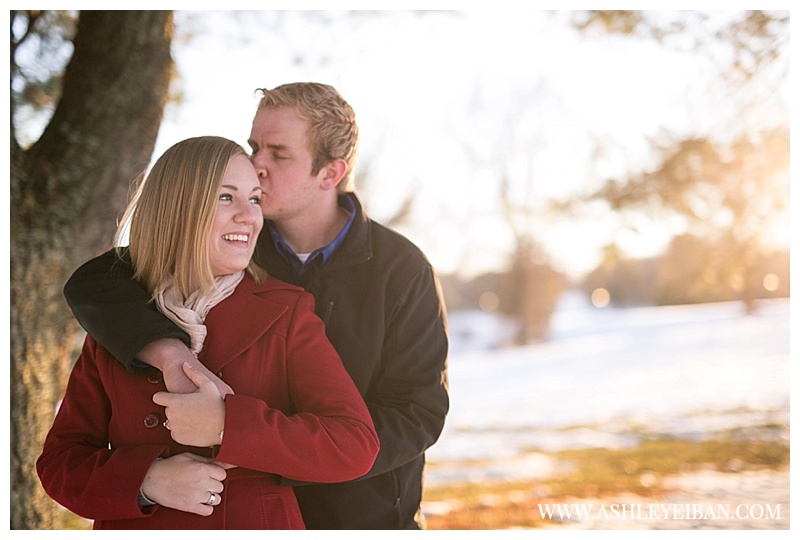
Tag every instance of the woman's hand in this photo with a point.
(195, 419)
(185, 482)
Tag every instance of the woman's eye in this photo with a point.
(226, 197)
(255, 200)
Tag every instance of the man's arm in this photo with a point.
(118, 312)
(168, 356)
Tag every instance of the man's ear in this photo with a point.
(332, 173)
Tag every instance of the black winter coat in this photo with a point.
(383, 310)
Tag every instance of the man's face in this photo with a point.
(283, 162)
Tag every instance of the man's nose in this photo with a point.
(258, 165)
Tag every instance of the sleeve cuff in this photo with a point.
(143, 500)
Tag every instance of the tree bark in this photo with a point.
(66, 192)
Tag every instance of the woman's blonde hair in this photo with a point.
(172, 212)
(332, 132)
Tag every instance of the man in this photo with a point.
(376, 292)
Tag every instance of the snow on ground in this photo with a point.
(688, 370)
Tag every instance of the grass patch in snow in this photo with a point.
(596, 473)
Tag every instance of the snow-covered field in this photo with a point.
(688, 370)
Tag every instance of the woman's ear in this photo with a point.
(332, 173)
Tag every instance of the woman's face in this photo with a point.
(238, 219)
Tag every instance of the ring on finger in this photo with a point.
(212, 498)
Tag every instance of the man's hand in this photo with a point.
(169, 355)
(185, 482)
(195, 419)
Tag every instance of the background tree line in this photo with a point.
(691, 270)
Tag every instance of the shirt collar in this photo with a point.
(346, 203)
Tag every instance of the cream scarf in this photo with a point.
(190, 314)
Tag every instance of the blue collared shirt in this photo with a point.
(303, 271)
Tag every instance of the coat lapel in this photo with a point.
(236, 323)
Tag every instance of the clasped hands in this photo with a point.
(186, 481)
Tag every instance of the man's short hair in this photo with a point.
(333, 132)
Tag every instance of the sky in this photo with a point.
(448, 101)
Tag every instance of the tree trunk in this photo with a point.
(66, 191)
(537, 288)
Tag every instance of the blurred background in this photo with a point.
(605, 195)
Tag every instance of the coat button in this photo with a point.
(152, 420)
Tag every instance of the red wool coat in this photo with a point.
(295, 413)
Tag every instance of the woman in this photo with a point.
(127, 454)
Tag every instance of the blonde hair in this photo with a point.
(333, 132)
(172, 212)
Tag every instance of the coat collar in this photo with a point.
(238, 322)
(357, 245)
